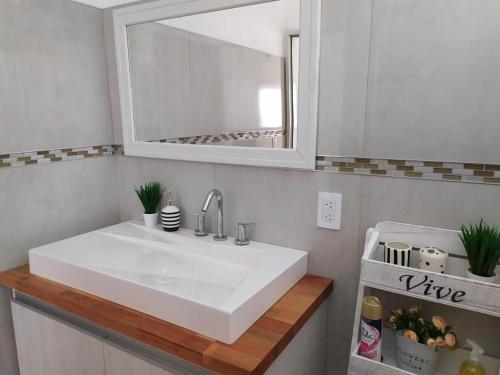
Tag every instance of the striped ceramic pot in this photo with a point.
(171, 218)
(397, 253)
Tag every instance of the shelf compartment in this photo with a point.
(449, 361)
(451, 289)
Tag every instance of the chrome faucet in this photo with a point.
(220, 218)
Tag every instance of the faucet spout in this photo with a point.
(214, 193)
(211, 194)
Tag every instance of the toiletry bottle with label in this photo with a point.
(472, 366)
(371, 328)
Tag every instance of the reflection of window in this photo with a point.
(270, 108)
(293, 83)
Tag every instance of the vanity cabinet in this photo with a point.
(48, 346)
(120, 362)
(52, 342)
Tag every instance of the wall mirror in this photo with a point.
(229, 81)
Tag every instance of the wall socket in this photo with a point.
(329, 210)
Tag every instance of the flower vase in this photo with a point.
(414, 357)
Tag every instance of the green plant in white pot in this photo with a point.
(482, 244)
(150, 195)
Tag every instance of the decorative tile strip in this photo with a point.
(426, 170)
(21, 159)
(216, 138)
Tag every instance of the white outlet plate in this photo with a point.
(329, 210)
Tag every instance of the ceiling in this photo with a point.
(102, 4)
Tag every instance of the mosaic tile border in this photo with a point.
(426, 170)
(213, 138)
(22, 159)
(415, 169)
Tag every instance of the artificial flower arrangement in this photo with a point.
(436, 334)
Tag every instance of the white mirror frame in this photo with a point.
(303, 157)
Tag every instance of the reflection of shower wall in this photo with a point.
(185, 84)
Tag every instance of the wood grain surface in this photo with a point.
(252, 353)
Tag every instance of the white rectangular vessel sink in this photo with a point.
(214, 288)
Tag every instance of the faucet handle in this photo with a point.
(241, 237)
(200, 229)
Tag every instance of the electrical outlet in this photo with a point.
(329, 210)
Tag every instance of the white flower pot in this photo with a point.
(414, 357)
(472, 276)
(150, 220)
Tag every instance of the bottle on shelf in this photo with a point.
(371, 328)
(472, 366)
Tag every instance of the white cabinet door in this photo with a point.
(121, 362)
(46, 346)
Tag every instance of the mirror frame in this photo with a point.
(302, 157)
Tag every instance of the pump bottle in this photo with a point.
(472, 366)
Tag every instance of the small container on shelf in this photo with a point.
(397, 252)
(433, 259)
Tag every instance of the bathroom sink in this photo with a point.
(217, 289)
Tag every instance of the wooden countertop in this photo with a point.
(252, 353)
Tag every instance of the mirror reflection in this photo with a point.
(228, 77)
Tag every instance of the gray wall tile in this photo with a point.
(345, 42)
(53, 79)
(430, 203)
(53, 94)
(434, 81)
(43, 204)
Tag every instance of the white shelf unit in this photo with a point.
(451, 289)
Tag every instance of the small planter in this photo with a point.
(414, 357)
(150, 220)
(490, 279)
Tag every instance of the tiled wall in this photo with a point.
(223, 137)
(22, 159)
(283, 202)
(53, 95)
(427, 170)
(45, 204)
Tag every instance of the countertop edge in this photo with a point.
(252, 354)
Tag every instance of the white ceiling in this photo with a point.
(102, 4)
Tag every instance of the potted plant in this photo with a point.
(482, 244)
(150, 195)
(418, 341)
